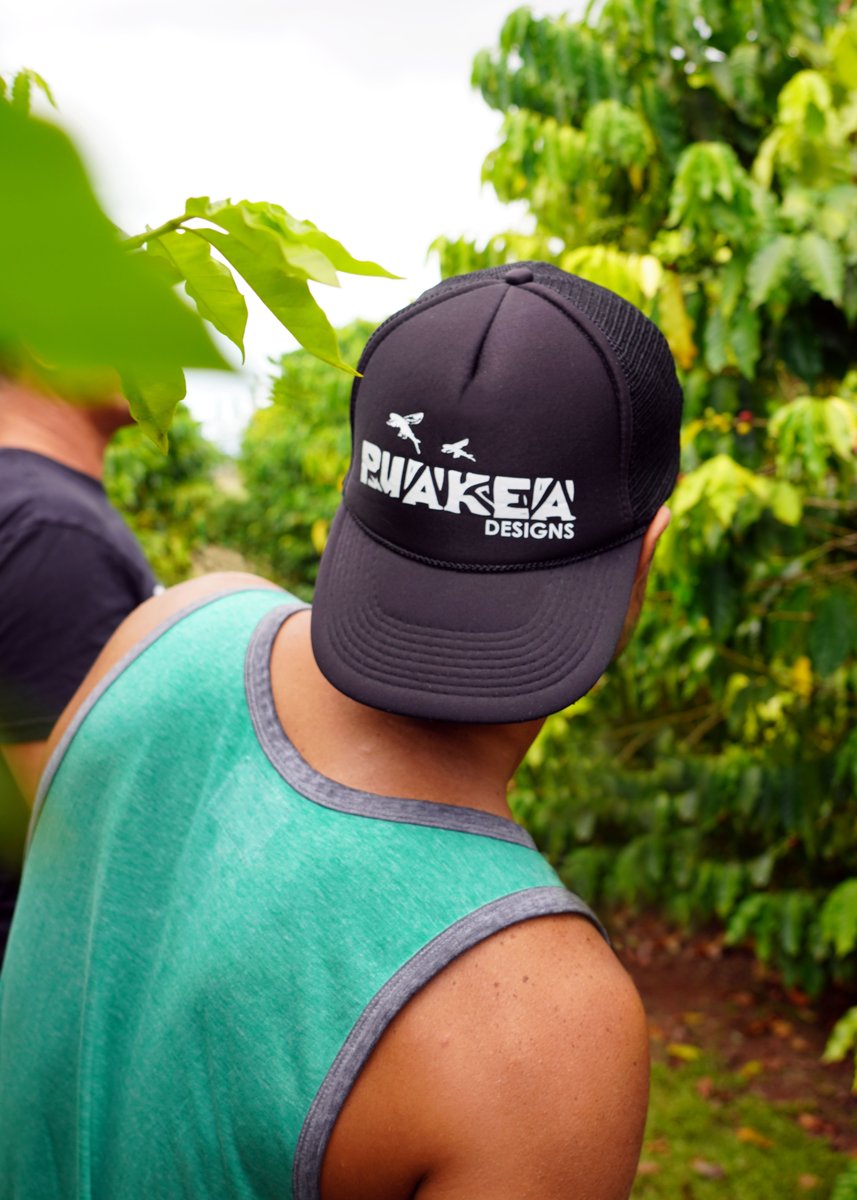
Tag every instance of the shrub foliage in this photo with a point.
(701, 161)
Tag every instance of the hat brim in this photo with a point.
(468, 646)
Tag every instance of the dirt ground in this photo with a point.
(701, 994)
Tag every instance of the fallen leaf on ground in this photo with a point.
(808, 1182)
(693, 1018)
(782, 1028)
(800, 1044)
(708, 1170)
(756, 1027)
(810, 1122)
(683, 1051)
(658, 1145)
(644, 1167)
(751, 1069)
(704, 1087)
(752, 1137)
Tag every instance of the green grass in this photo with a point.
(688, 1133)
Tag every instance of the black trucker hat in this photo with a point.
(513, 434)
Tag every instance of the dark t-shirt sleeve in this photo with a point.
(64, 591)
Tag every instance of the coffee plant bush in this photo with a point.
(701, 160)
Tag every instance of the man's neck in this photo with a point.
(67, 433)
(465, 765)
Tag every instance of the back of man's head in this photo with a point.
(515, 431)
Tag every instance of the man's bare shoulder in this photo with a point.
(521, 1070)
(143, 620)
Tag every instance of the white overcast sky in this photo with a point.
(359, 116)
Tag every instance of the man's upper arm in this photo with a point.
(521, 1071)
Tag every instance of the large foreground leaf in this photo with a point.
(69, 295)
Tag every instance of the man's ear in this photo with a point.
(650, 540)
(659, 523)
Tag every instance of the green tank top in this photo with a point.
(212, 936)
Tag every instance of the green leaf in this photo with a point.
(769, 267)
(821, 265)
(729, 885)
(22, 86)
(761, 869)
(69, 295)
(815, 121)
(338, 255)
(720, 598)
(310, 253)
(840, 426)
(153, 398)
(844, 48)
(618, 135)
(21, 93)
(805, 90)
(793, 915)
(208, 282)
(845, 1184)
(809, 430)
(839, 918)
(262, 229)
(261, 264)
(675, 321)
(843, 1038)
(715, 340)
(833, 633)
(744, 337)
(786, 503)
(732, 281)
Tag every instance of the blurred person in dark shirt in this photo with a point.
(70, 572)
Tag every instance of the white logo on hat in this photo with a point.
(516, 506)
(456, 449)
(402, 425)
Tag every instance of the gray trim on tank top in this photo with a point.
(310, 783)
(388, 1002)
(105, 682)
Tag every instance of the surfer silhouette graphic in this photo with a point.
(402, 425)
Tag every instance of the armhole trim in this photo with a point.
(104, 684)
(390, 1000)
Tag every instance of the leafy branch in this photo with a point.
(74, 298)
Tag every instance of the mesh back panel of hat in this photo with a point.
(640, 348)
